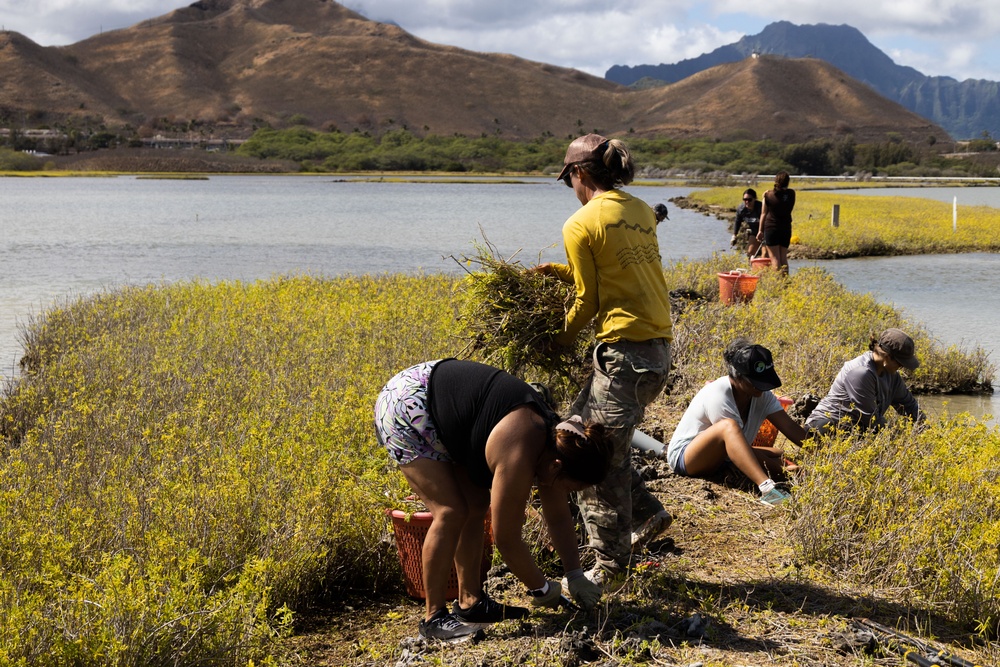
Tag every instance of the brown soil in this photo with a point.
(723, 586)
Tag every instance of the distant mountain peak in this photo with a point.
(965, 109)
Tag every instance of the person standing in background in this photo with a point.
(776, 221)
(614, 262)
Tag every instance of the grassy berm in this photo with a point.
(188, 475)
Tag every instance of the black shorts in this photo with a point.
(779, 236)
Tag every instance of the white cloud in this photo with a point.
(938, 37)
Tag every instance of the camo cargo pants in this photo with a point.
(628, 376)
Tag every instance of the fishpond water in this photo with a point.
(61, 238)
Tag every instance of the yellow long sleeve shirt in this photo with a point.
(614, 262)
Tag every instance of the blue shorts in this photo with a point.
(402, 419)
(675, 459)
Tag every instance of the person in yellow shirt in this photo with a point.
(613, 260)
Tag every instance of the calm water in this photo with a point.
(67, 237)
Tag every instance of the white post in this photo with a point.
(954, 216)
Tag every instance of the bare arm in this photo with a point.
(512, 452)
(763, 215)
(559, 519)
(788, 426)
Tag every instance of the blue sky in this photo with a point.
(954, 38)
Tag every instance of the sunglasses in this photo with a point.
(748, 199)
(568, 178)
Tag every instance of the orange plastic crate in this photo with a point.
(768, 432)
(410, 543)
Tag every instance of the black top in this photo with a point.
(780, 203)
(749, 215)
(466, 400)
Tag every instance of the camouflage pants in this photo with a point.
(627, 377)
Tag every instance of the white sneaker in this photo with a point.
(775, 497)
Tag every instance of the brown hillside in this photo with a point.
(777, 98)
(233, 64)
(238, 60)
(35, 81)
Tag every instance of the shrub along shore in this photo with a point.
(183, 467)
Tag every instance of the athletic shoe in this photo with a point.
(444, 627)
(775, 497)
(486, 612)
(652, 528)
(610, 581)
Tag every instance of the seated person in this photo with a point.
(867, 385)
(724, 417)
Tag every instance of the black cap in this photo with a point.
(756, 365)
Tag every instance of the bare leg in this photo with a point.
(469, 555)
(712, 446)
(438, 486)
(774, 252)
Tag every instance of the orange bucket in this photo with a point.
(410, 536)
(760, 263)
(768, 432)
(736, 287)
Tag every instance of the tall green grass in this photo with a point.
(185, 465)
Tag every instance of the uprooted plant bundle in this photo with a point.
(511, 315)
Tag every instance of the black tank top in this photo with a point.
(466, 400)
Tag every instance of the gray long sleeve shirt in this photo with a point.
(860, 393)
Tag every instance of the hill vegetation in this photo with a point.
(401, 150)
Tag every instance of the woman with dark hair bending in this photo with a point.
(469, 437)
(724, 417)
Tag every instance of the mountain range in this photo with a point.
(229, 66)
(965, 109)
